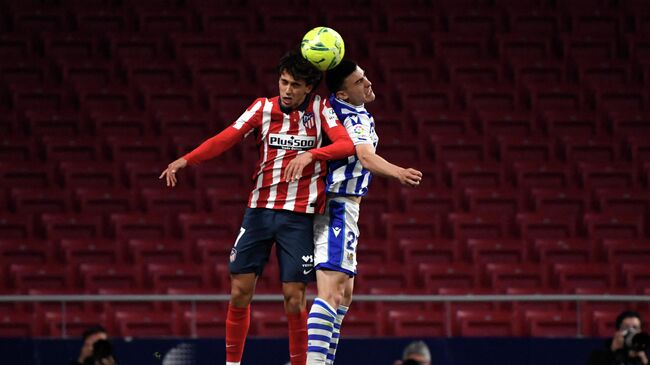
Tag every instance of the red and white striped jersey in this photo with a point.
(280, 138)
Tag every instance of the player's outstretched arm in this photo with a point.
(170, 172)
(379, 166)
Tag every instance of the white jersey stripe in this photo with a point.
(247, 115)
(266, 122)
(277, 165)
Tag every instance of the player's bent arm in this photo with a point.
(215, 146)
(379, 166)
(341, 146)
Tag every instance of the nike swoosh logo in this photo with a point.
(305, 272)
(292, 356)
(229, 346)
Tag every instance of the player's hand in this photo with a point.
(641, 355)
(170, 172)
(617, 341)
(410, 177)
(293, 171)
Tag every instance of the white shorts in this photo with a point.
(335, 236)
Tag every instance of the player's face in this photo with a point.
(357, 88)
(292, 91)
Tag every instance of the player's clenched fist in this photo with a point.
(170, 172)
(410, 177)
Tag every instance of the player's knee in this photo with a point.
(294, 300)
(241, 293)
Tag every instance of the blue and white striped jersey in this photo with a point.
(347, 176)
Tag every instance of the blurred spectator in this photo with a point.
(89, 337)
(416, 353)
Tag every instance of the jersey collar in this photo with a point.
(302, 107)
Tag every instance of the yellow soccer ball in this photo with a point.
(323, 47)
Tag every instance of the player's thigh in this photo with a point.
(294, 235)
(252, 248)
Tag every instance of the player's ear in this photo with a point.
(341, 95)
(309, 88)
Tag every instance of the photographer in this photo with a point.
(90, 336)
(416, 353)
(627, 347)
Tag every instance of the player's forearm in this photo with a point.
(341, 146)
(379, 166)
(214, 146)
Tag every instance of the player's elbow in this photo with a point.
(349, 148)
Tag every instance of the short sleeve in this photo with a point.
(359, 128)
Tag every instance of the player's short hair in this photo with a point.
(298, 67)
(627, 314)
(92, 330)
(417, 347)
(335, 77)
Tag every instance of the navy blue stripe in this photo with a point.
(322, 316)
(336, 335)
(335, 245)
(323, 304)
(337, 326)
(319, 338)
(321, 350)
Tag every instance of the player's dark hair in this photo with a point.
(335, 77)
(626, 314)
(92, 330)
(298, 67)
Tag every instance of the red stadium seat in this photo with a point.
(425, 98)
(71, 45)
(142, 251)
(27, 175)
(475, 71)
(59, 226)
(410, 225)
(137, 225)
(468, 225)
(24, 252)
(46, 98)
(137, 324)
(210, 251)
(585, 47)
(102, 201)
(165, 20)
(84, 73)
(372, 276)
(620, 251)
(433, 201)
(560, 202)
(19, 325)
(137, 149)
(505, 202)
(35, 201)
(16, 46)
(73, 324)
(534, 226)
(598, 176)
(85, 175)
(19, 227)
(25, 277)
(363, 325)
(118, 123)
(72, 149)
(502, 276)
(218, 20)
(112, 97)
(135, 45)
(82, 251)
(510, 124)
(574, 124)
(527, 71)
(483, 251)
(536, 175)
(589, 149)
(476, 175)
(479, 323)
(66, 123)
(96, 21)
(565, 97)
(205, 323)
(570, 276)
(526, 149)
(537, 21)
(492, 97)
(170, 98)
(621, 97)
(639, 149)
(442, 123)
(162, 200)
(185, 123)
(208, 225)
(27, 72)
(541, 323)
(636, 276)
(395, 71)
(410, 20)
(614, 72)
(524, 46)
(162, 276)
(448, 149)
(600, 226)
(110, 308)
(455, 275)
(18, 149)
(406, 323)
(107, 276)
(455, 46)
(614, 201)
(416, 251)
(630, 123)
(596, 23)
(554, 251)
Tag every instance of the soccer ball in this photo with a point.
(323, 47)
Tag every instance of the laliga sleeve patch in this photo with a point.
(330, 116)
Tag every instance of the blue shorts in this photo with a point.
(294, 235)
